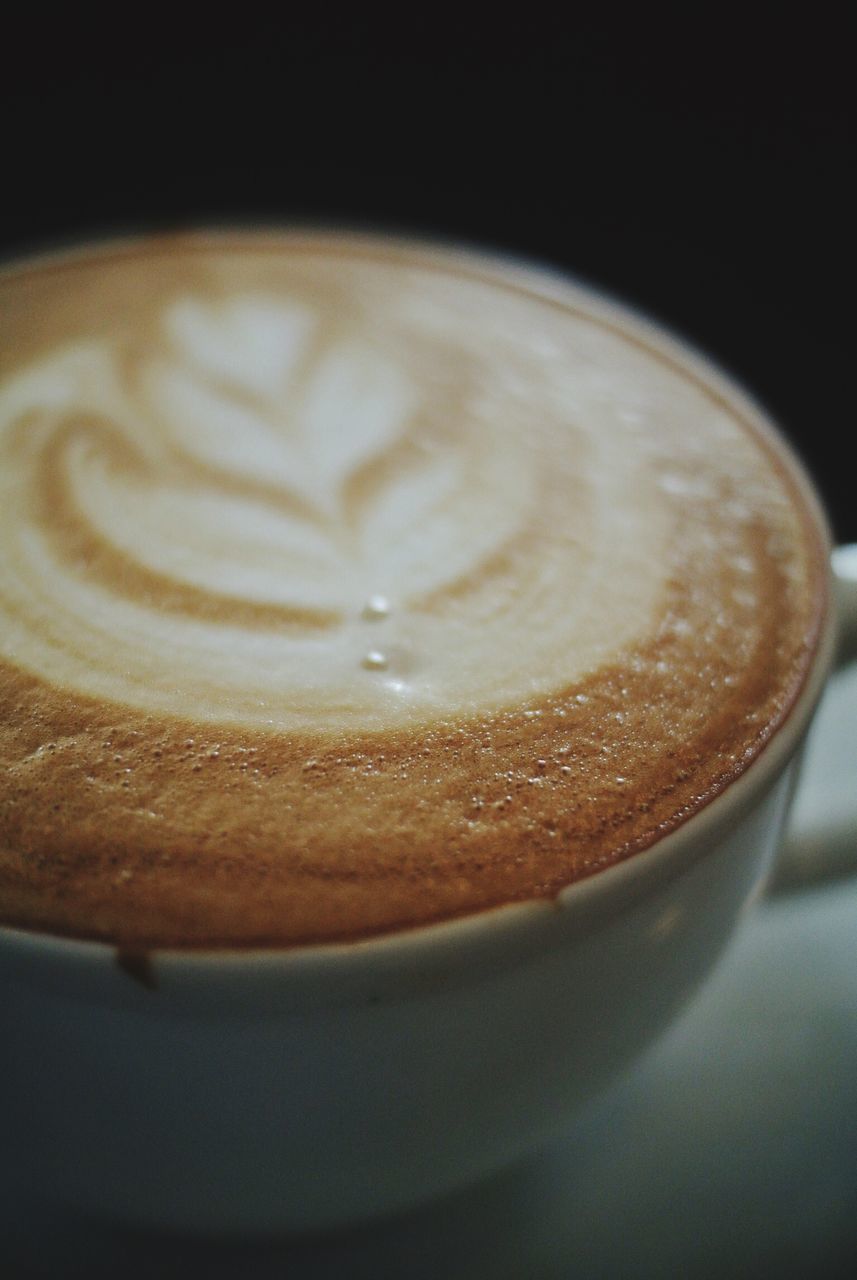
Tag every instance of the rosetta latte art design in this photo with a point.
(347, 586)
(208, 520)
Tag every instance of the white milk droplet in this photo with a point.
(375, 660)
(376, 608)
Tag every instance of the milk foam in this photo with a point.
(196, 514)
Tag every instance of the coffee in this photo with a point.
(348, 586)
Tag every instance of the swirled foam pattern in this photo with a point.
(347, 587)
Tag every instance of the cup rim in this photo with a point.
(432, 952)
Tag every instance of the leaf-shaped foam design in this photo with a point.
(232, 459)
(259, 455)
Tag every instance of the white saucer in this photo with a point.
(731, 1151)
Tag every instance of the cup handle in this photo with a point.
(821, 839)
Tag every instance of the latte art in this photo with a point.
(211, 509)
(396, 585)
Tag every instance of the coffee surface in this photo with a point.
(348, 586)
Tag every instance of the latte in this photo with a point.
(347, 586)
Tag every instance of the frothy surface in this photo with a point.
(344, 588)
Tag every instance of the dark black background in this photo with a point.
(698, 165)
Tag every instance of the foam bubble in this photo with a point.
(375, 660)
(376, 608)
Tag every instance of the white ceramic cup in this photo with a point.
(263, 1091)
